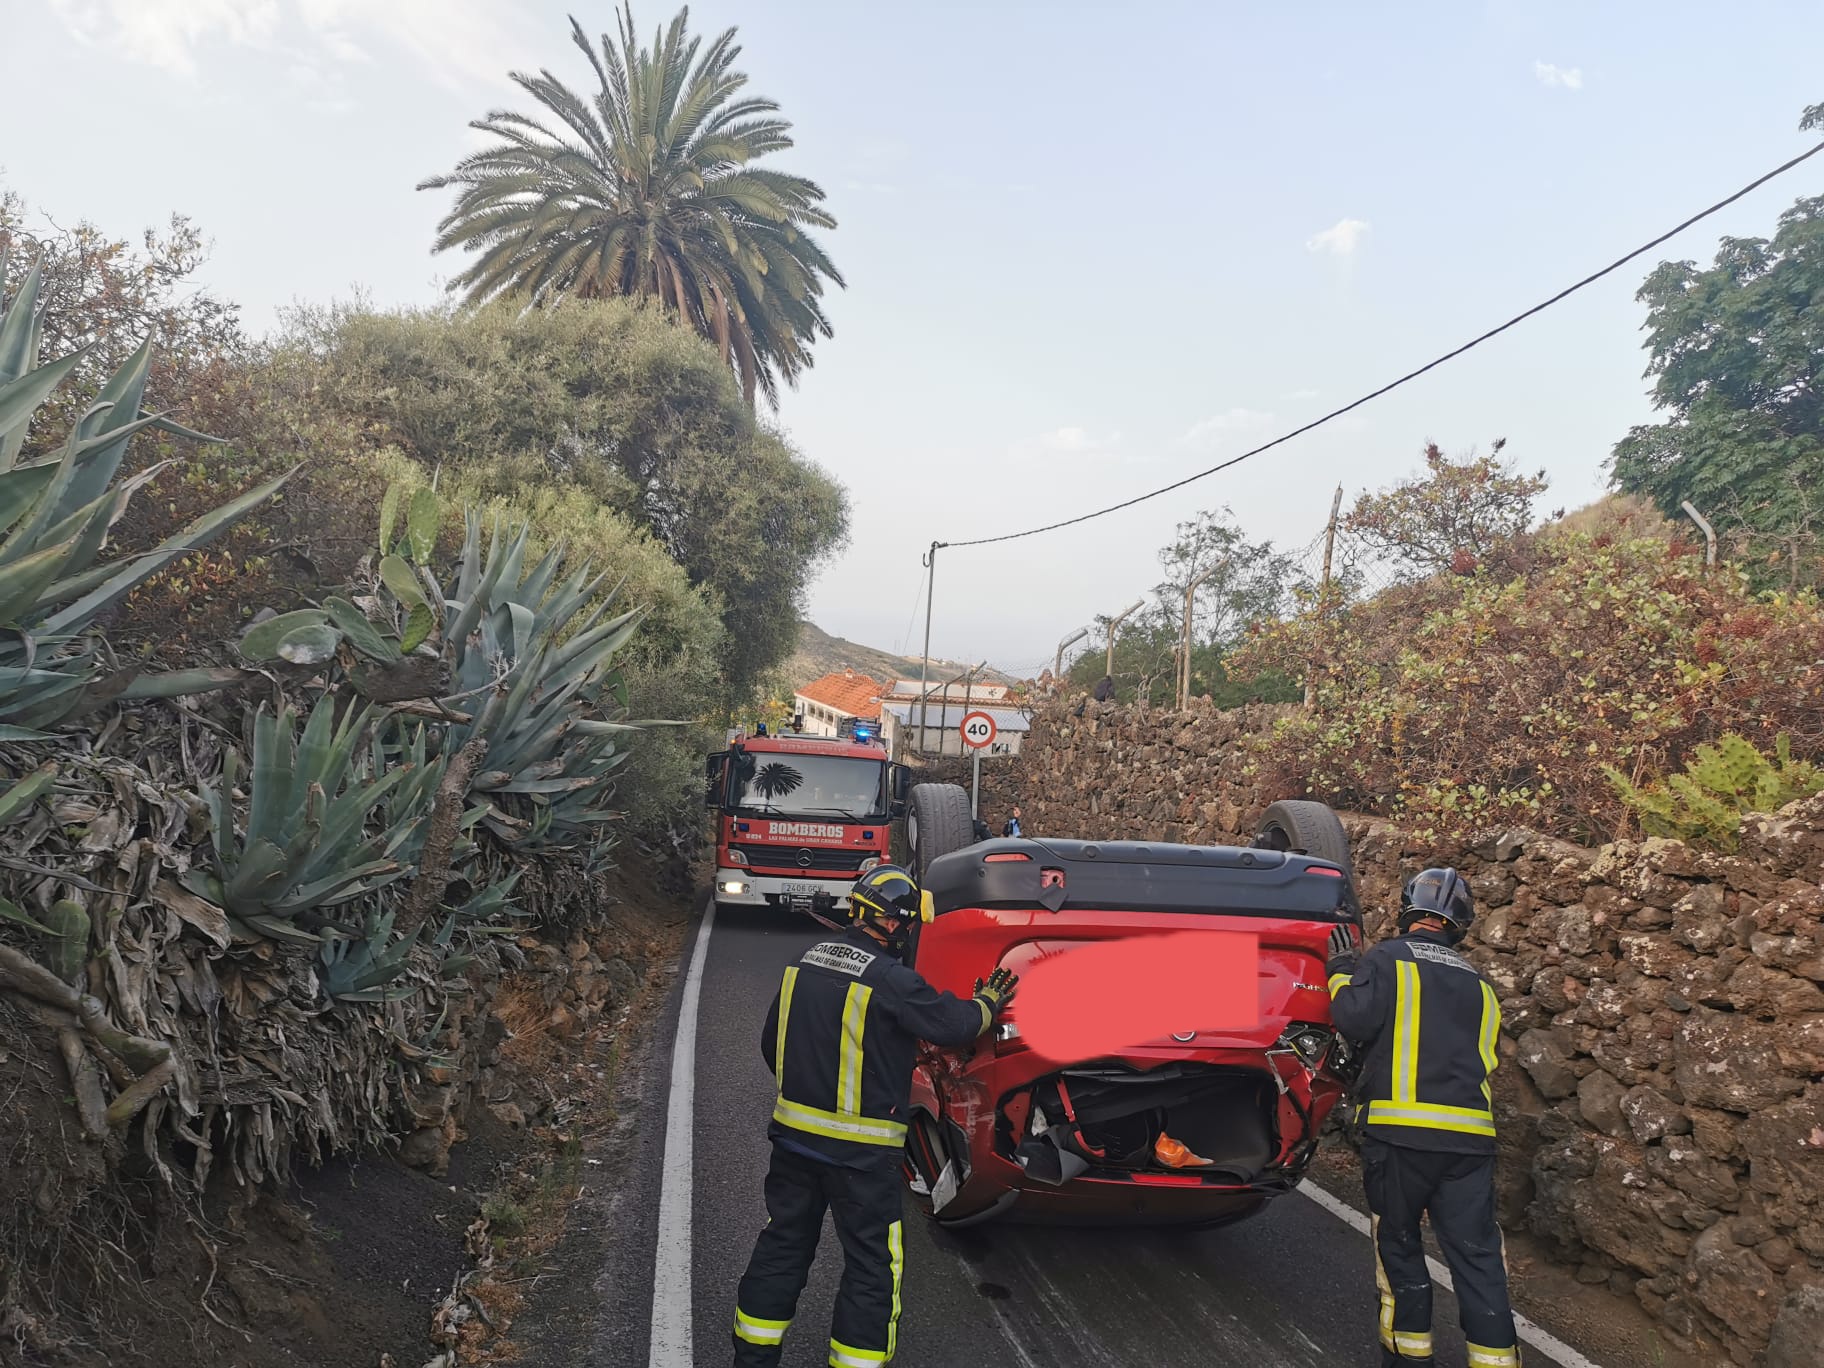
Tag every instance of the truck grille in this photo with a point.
(820, 858)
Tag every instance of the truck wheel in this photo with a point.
(1309, 828)
(937, 823)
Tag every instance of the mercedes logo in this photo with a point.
(805, 858)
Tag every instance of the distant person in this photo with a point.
(1106, 689)
(1013, 823)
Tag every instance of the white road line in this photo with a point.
(1533, 1334)
(671, 1261)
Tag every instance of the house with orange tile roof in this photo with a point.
(843, 695)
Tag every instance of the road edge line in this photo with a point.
(1530, 1331)
(670, 1342)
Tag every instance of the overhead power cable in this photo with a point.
(1540, 307)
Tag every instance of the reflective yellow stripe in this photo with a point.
(842, 1356)
(1381, 1284)
(896, 1253)
(785, 1012)
(848, 1068)
(1338, 982)
(757, 1331)
(1427, 1116)
(1410, 1344)
(1406, 1032)
(835, 1126)
(987, 1014)
(1491, 1026)
(1481, 1356)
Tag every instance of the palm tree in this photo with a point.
(650, 191)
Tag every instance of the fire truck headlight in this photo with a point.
(735, 857)
(734, 886)
(872, 862)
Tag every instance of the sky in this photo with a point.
(1089, 249)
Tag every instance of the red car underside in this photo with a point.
(1033, 1139)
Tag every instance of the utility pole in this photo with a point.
(924, 670)
(1114, 623)
(1057, 666)
(1184, 642)
(1323, 592)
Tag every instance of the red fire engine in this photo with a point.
(799, 818)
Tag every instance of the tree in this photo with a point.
(650, 191)
(1737, 351)
(1247, 582)
(602, 402)
(106, 294)
(1452, 518)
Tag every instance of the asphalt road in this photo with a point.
(1294, 1286)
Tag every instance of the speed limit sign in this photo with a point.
(978, 730)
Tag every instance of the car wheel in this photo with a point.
(937, 823)
(1308, 828)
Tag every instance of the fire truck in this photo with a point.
(799, 817)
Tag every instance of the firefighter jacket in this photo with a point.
(1429, 1023)
(841, 1037)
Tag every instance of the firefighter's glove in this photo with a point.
(998, 991)
(1343, 952)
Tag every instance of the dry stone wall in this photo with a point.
(1662, 1102)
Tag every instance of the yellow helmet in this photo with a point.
(888, 891)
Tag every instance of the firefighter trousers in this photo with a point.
(1457, 1191)
(865, 1206)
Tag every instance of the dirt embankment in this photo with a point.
(383, 1260)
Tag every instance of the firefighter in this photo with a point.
(841, 1036)
(1428, 1023)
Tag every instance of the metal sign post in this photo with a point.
(978, 733)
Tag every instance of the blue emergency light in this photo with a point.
(864, 731)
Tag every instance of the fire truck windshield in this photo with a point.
(813, 785)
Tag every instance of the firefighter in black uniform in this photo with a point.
(1429, 1023)
(841, 1037)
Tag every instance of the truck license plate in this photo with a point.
(802, 890)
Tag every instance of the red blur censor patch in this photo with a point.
(1107, 996)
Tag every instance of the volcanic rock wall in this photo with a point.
(1662, 1105)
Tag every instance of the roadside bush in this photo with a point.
(1720, 785)
(1461, 702)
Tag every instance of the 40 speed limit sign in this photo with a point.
(978, 730)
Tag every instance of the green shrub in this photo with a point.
(1721, 784)
(1462, 701)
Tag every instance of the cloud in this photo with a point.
(1341, 239)
(1571, 78)
(1075, 441)
(164, 33)
(457, 41)
(1299, 395)
(1208, 432)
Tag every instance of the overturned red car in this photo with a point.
(1200, 1126)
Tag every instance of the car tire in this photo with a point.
(1295, 824)
(937, 823)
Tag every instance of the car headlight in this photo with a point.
(1310, 1043)
(735, 886)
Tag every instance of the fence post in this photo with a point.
(1709, 533)
(1323, 592)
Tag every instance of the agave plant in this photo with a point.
(524, 638)
(54, 520)
(305, 844)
